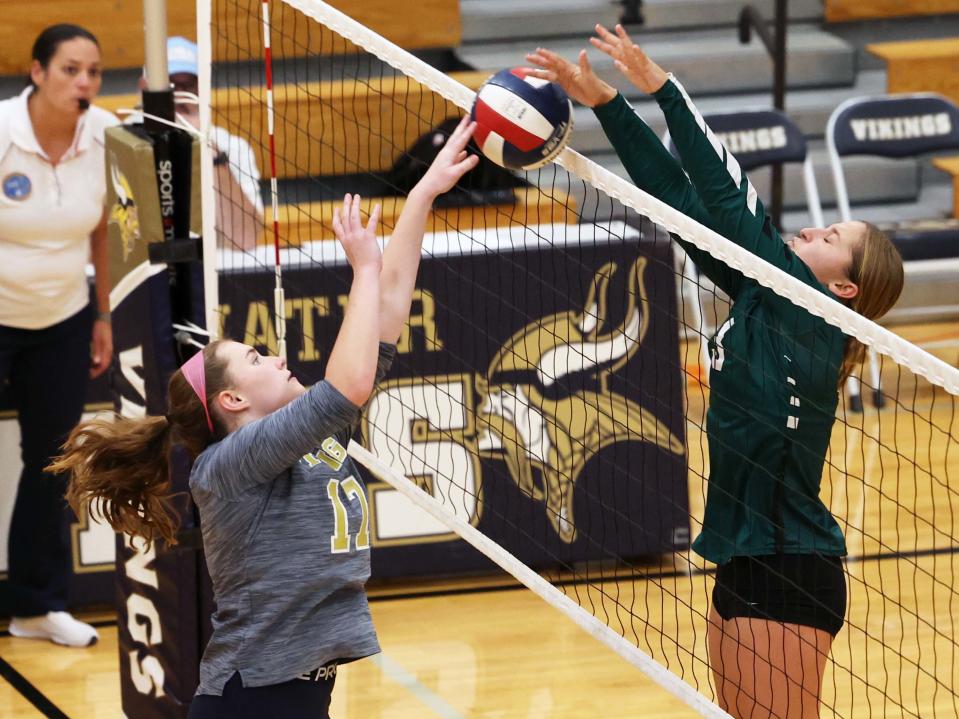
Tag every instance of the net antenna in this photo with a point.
(279, 302)
(211, 288)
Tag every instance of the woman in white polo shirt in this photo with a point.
(52, 223)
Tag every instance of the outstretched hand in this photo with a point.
(578, 80)
(630, 59)
(359, 242)
(452, 162)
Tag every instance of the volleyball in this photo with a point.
(522, 121)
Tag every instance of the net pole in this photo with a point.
(211, 288)
(279, 302)
(539, 586)
(158, 108)
(154, 45)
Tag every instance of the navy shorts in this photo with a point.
(306, 697)
(804, 589)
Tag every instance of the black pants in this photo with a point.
(44, 375)
(805, 589)
(307, 697)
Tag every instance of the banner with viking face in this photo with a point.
(538, 393)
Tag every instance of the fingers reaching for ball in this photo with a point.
(358, 242)
(578, 79)
(452, 162)
(629, 58)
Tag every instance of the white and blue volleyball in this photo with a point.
(522, 122)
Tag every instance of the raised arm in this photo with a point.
(648, 162)
(351, 368)
(656, 171)
(729, 197)
(260, 450)
(401, 259)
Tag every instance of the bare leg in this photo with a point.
(767, 670)
(724, 669)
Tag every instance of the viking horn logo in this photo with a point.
(124, 212)
(546, 441)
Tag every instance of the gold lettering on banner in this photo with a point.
(426, 426)
(423, 317)
(222, 313)
(260, 331)
(306, 309)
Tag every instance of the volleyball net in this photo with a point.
(548, 401)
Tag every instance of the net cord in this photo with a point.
(736, 257)
(539, 586)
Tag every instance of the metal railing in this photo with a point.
(751, 20)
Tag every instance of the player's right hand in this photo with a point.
(579, 81)
(451, 163)
(362, 249)
(629, 59)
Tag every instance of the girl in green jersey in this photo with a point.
(780, 594)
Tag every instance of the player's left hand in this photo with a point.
(452, 162)
(578, 80)
(359, 243)
(629, 59)
(101, 348)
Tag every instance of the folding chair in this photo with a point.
(894, 126)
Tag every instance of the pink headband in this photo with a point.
(195, 374)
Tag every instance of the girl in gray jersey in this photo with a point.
(283, 510)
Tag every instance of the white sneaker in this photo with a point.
(58, 627)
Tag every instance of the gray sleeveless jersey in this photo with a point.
(285, 529)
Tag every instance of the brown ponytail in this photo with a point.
(120, 468)
(877, 270)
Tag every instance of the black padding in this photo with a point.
(757, 137)
(896, 126)
(926, 240)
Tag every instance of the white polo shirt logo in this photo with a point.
(17, 186)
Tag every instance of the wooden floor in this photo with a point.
(505, 653)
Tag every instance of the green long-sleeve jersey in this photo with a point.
(774, 367)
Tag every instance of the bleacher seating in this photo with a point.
(950, 165)
(696, 39)
(321, 113)
(920, 65)
(119, 27)
(851, 10)
(896, 126)
(313, 221)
